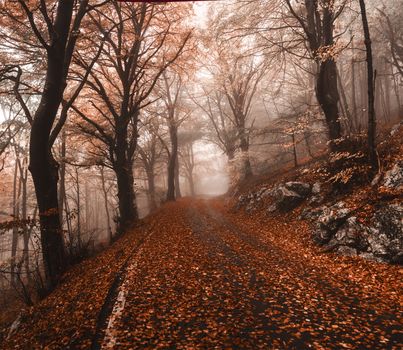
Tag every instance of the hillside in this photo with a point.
(231, 273)
(347, 212)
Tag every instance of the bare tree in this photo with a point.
(139, 48)
(372, 153)
(54, 26)
(317, 19)
(175, 113)
(150, 150)
(236, 76)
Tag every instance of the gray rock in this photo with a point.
(316, 188)
(353, 234)
(397, 259)
(333, 217)
(329, 221)
(311, 213)
(321, 236)
(262, 193)
(300, 188)
(386, 235)
(395, 129)
(315, 200)
(393, 178)
(346, 250)
(370, 257)
(272, 208)
(286, 199)
(382, 241)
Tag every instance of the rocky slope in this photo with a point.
(350, 218)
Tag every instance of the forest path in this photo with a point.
(211, 279)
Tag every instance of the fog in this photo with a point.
(196, 100)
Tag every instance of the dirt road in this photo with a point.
(209, 279)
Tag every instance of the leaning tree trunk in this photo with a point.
(294, 149)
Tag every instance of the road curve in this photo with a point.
(205, 280)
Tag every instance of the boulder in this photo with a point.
(329, 221)
(337, 230)
(332, 218)
(316, 200)
(346, 250)
(286, 199)
(263, 193)
(393, 178)
(395, 129)
(386, 235)
(300, 188)
(310, 213)
(316, 188)
(272, 208)
(370, 257)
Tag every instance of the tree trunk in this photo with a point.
(151, 189)
(191, 185)
(294, 149)
(173, 156)
(123, 167)
(126, 196)
(230, 155)
(354, 109)
(178, 193)
(43, 167)
(244, 146)
(62, 182)
(16, 217)
(387, 89)
(344, 104)
(328, 97)
(105, 193)
(354, 98)
(24, 217)
(78, 203)
(307, 137)
(373, 156)
(190, 171)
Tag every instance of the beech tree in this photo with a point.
(175, 113)
(223, 131)
(392, 30)
(150, 150)
(317, 19)
(236, 76)
(187, 140)
(55, 28)
(140, 47)
(372, 154)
